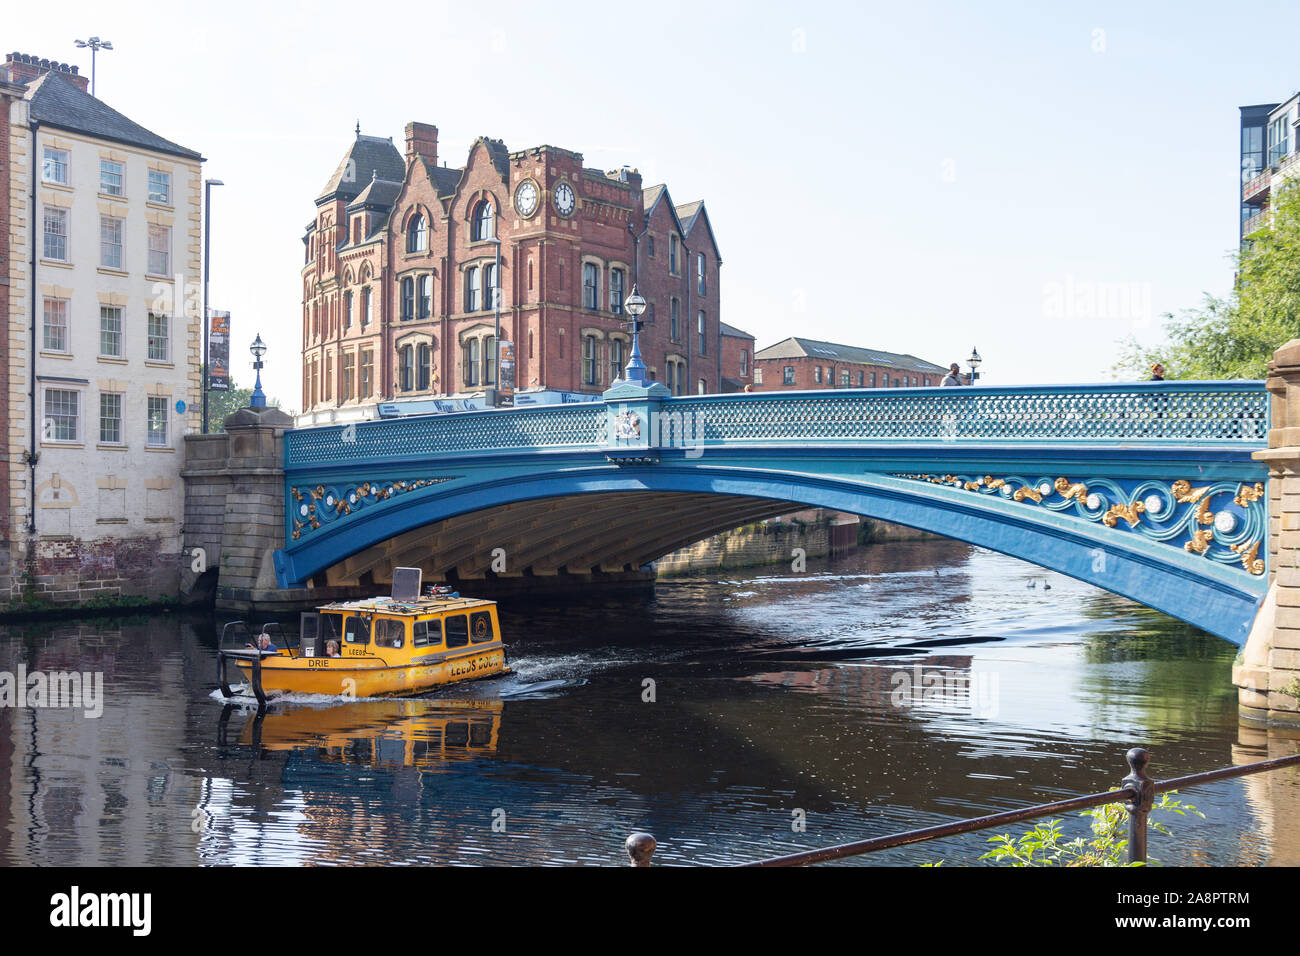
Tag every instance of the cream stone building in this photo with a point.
(104, 345)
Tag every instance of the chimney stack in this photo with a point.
(422, 140)
(24, 67)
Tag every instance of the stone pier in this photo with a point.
(234, 514)
(1267, 674)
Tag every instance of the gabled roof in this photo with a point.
(57, 101)
(499, 154)
(734, 332)
(688, 211)
(795, 347)
(650, 198)
(366, 158)
(444, 180)
(378, 194)
(691, 214)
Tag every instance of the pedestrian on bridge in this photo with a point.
(954, 375)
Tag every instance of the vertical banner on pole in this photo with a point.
(506, 383)
(219, 352)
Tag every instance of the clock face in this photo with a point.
(564, 199)
(526, 198)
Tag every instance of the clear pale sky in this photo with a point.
(921, 178)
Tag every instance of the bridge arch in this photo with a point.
(703, 500)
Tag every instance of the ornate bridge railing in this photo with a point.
(1234, 414)
(1184, 413)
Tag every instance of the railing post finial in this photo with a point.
(1143, 789)
(640, 848)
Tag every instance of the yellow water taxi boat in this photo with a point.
(377, 647)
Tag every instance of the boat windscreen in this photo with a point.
(331, 627)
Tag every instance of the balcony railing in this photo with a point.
(1254, 223)
(1256, 188)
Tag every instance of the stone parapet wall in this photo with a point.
(234, 505)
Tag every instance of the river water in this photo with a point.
(735, 716)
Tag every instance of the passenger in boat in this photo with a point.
(264, 643)
(331, 648)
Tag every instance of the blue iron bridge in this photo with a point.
(1147, 490)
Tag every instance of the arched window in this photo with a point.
(590, 286)
(472, 298)
(426, 296)
(589, 360)
(491, 289)
(347, 309)
(483, 226)
(406, 368)
(699, 272)
(424, 359)
(490, 360)
(616, 359)
(616, 291)
(365, 306)
(530, 343)
(469, 362)
(408, 299)
(417, 235)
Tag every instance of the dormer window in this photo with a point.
(484, 225)
(417, 235)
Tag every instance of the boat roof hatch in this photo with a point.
(406, 584)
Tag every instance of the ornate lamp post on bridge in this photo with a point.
(258, 348)
(974, 363)
(635, 305)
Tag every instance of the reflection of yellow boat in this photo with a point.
(377, 647)
(409, 733)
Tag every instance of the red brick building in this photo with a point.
(402, 262)
(737, 359)
(799, 363)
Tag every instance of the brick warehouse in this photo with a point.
(401, 263)
(799, 363)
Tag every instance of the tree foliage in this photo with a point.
(1234, 338)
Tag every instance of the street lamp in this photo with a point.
(258, 348)
(635, 305)
(95, 44)
(635, 371)
(974, 363)
(207, 240)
